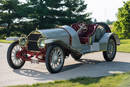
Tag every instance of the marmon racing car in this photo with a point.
(52, 46)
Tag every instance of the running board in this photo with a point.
(95, 47)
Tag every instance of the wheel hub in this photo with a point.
(55, 58)
(18, 54)
(111, 49)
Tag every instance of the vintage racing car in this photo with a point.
(52, 46)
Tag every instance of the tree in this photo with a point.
(122, 25)
(49, 13)
(42, 13)
(74, 11)
(8, 13)
(95, 20)
(109, 22)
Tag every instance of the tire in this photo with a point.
(10, 59)
(105, 26)
(53, 63)
(109, 55)
(76, 56)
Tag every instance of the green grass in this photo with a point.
(118, 80)
(125, 46)
(5, 41)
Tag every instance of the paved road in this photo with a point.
(91, 65)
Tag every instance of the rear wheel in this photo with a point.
(13, 61)
(109, 55)
(54, 58)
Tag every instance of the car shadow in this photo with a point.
(81, 62)
(84, 67)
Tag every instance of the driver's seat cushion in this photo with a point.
(85, 36)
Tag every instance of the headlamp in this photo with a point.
(41, 43)
(22, 41)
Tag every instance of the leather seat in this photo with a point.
(75, 26)
(84, 36)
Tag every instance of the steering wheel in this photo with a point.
(82, 27)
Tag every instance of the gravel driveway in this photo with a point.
(91, 65)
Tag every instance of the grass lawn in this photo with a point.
(5, 41)
(118, 80)
(125, 46)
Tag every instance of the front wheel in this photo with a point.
(13, 61)
(54, 58)
(109, 55)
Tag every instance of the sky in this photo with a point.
(103, 10)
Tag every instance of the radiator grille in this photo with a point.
(32, 42)
(34, 37)
(33, 46)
